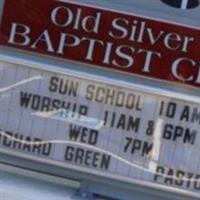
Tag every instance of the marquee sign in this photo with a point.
(103, 38)
(99, 126)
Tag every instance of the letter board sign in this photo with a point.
(101, 128)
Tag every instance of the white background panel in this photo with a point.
(166, 153)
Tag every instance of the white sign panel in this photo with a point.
(101, 127)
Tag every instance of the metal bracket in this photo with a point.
(83, 193)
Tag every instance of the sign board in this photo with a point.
(100, 127)
(104, 38)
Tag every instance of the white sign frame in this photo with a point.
(138, 87)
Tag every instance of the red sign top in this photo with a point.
(104, 38)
